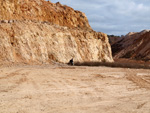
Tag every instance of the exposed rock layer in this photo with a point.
(40, 31)
(41, 10)
(134, 46)
(27, 41)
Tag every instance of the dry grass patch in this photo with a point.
(114, 64)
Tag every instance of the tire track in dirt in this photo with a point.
(12, 74)
(15, 85)
(14, 79)
(141, 105)
(139, 81)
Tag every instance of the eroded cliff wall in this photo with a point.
(43, 36)
(27, 41)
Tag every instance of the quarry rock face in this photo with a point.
(41, 10)
(40, 31)
(133, 46)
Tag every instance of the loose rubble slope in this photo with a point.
(133, 46)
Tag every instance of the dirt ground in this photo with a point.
(67, 89)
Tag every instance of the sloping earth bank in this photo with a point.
(64, 89)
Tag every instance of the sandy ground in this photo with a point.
(64, 89)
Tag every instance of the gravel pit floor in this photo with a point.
(72, 89)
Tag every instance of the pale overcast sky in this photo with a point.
(117, 17)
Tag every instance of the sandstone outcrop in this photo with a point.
(40, 31)
(41, 10)
(27, 41)
(133, 45)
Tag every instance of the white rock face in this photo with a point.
(28, 41)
